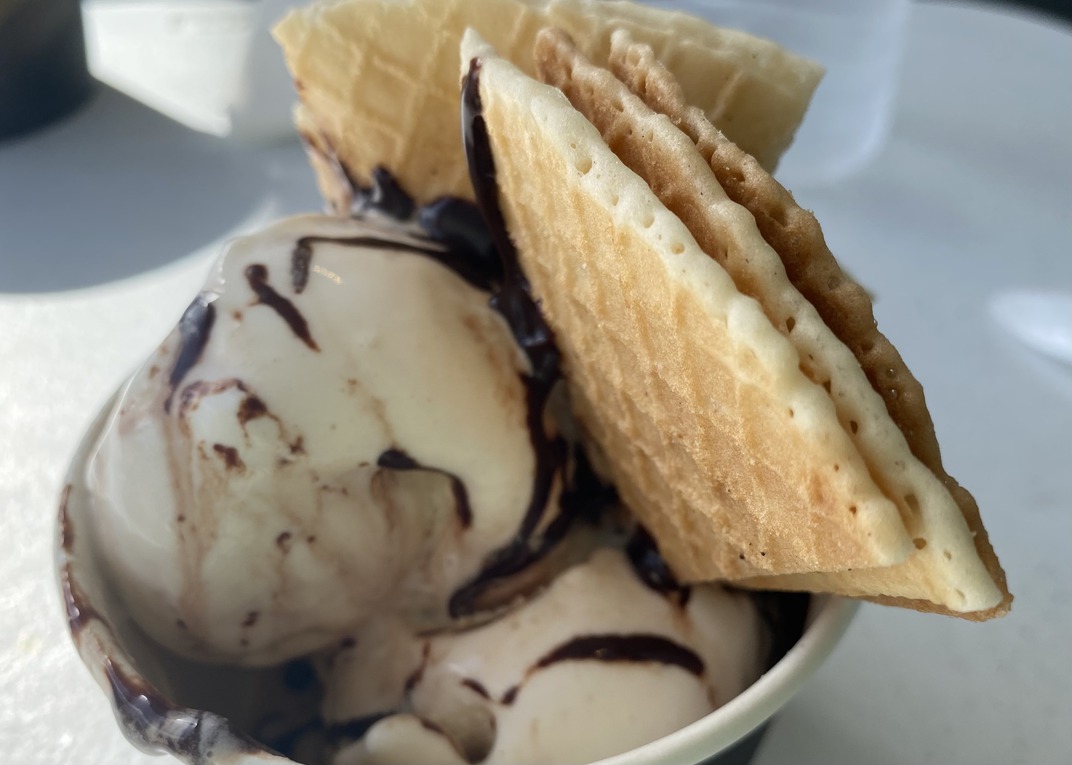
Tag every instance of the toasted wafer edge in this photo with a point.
(844, 307)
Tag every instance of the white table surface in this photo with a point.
(108, 222)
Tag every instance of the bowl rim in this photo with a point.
(712, 734)
(828, 619)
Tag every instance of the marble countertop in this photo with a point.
(108, 223)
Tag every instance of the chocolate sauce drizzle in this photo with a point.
(652, 569)
(458, 260)
(514, 298)
(635, 648)
(302, 255)
(230, 456)
(458, 224)
(476, 687)
(199, 389)
(396, 459)
(257, 276)
(65, 541)
(514, 301)
(195, 327)
(251, 408)
(387, 195)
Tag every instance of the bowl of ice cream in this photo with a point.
(223, 713)
(535, 450)
(286, 540)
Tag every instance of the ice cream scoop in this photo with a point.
(339, 426)
(347, 442)
(600, 662)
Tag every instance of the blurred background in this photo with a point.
(210, 65)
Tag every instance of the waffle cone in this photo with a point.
(378, 80)
(746, 228)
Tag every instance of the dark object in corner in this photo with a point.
(43, 73)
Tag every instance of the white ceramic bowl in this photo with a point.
(143, 681)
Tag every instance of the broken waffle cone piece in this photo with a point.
(738, 425)
(378, 80)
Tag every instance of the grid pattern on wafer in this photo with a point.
(379, 79)
(945, 568)
(732, 92)
(681, 386)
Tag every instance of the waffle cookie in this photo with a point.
(378, 87)
(733, 405)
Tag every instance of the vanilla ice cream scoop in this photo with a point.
(339, 426)
(599, 663)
